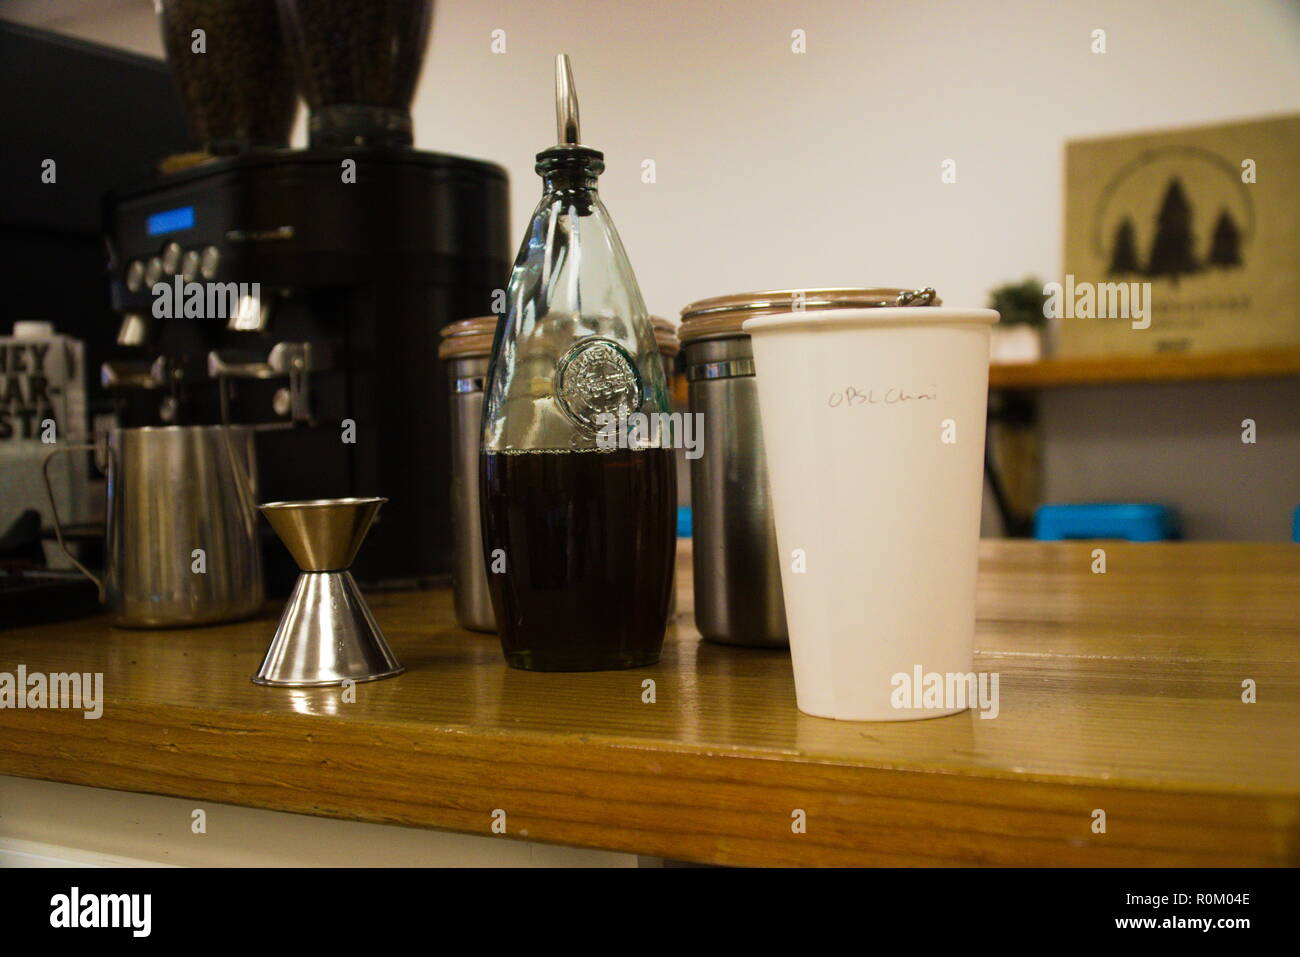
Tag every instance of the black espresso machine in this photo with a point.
(303, 290)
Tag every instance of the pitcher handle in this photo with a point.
(54, 511)
(243, 481)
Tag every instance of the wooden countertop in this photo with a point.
(1120, 692)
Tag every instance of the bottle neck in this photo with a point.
(569, 181)
(570, 169)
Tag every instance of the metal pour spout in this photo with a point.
(566, 103)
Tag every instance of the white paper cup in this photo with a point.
(873, 421)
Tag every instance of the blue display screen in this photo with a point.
(171, 220)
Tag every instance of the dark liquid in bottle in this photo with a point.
(589, 541)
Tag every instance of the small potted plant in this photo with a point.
(1019, 336)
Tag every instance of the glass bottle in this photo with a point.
(578, 489)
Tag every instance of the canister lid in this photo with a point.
(468, 338)
(723, 315)
(666, 336)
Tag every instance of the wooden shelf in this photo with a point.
(1175, 367)
(1119, 691)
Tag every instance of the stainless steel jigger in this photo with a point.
(327, 634)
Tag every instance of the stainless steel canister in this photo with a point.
(466, 348)
(738, 597)
(737, 572)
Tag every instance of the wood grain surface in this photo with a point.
(1119, 692)
(1170, 367)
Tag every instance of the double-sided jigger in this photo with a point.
(327, 634)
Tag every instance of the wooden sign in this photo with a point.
(1199, 227)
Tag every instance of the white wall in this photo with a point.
(126, 24)
(776, 169)
(1180, 443)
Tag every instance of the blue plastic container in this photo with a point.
(683, 521)
(1134, 522)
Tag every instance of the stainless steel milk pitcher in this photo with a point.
(182, 545)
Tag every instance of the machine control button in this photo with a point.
(171, 258)
(134, 331)
(210, 262)
(153, 271)
(135, 276)
(190, 265)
